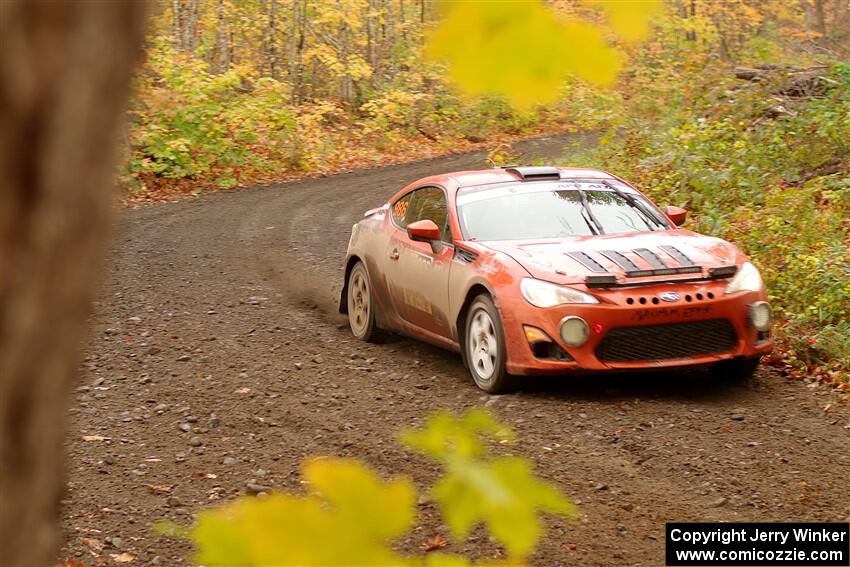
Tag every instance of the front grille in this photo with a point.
(659, 342)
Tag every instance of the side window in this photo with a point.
(426, 203)
(400, 210)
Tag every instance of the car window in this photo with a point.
(426, 203)
(614, 213)
(553, 210)
(400, 210)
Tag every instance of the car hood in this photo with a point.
(571, 260)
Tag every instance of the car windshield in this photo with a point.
(554, 210)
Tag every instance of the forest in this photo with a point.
(173, 368)
(737, 110)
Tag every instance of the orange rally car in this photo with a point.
(541, 270)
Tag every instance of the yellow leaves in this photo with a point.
(629, 18)
(523, 51)
(353, 66)
(352, 517)
(349, 519)
(518, 49)
(505, 495)
(357, 495)
(446, 436)
(501, 492)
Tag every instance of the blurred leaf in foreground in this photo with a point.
(521, 50)
(630, 19)
(501, 492)
(350, 518)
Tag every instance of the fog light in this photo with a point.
(574, 331)
(761, 315)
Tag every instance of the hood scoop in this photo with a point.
(656, 262)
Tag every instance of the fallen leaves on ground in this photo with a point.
(94, 544)
(436, 541)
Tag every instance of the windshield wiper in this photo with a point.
(588, 216)
(630, 199)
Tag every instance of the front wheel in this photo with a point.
(736, 369)
(484, 347)
(361, 312)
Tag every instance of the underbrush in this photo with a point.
(193, 130)
(771, 174)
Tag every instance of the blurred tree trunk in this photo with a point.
(296, 49)
(176, 27)
(65, 68)
(841, 25)
(346, 86)
(222, 40)
(820, 19)
(185, 19)
(270, 40)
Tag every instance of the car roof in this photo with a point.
(474, 178)
(513, 173)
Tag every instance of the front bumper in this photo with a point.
(636, 308)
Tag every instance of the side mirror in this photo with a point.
(423, 231)
(676, 214)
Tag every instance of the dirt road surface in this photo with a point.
(216, 350)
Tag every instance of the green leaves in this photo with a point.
(522, 50)
(350, 518)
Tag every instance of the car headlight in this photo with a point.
(747, 279)
(545, 294)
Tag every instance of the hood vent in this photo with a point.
(677, 255)
(620, 260)
(587, 262)
(602, 278)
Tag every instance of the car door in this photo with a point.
(418, 272)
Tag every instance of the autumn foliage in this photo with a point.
(236, 92)
(350, 516)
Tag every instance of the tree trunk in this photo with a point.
(272, 44)
(176, 28)
(692, 34)
(841, 25)
(222, 40)
(402, 22)
(389, 38)
(346, 87)
(820, 19)
(65, 68)
(188, 10)
(296, 62)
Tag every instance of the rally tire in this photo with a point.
(484, 347)
(361, 305)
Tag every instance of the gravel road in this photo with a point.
(217, 363)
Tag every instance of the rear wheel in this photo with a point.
(484, 347)
(361, 312)
(736, 370)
